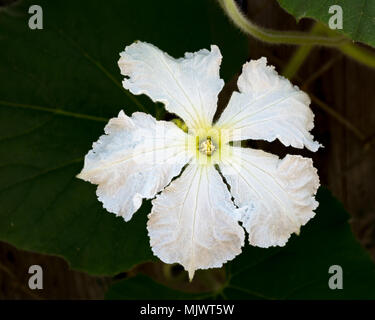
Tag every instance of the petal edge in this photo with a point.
(268, 107)
(205, 236)
(187, 86)
(135, 159)
(276, 196)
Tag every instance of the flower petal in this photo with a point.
(193, 221)
(188, 86)
(268, 107)
(135, 159)
(276, 196)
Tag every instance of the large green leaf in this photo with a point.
(358, 15)
(58, 87)
(297, 271)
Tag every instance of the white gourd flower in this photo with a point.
(194, 220)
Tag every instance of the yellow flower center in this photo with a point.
(207, 147)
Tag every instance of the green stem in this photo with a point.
(300, 55)
(315, 75)
(274, 36)
(296, 61)
(358, 53)
(354, 51)
(358, 133)
(342, 43)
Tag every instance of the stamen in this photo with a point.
(207, 147)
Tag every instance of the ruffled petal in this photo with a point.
(276, 196)
(188, 86)
(134, 160)
(268, 107)
(193, 221)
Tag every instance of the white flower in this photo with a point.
(193, 220)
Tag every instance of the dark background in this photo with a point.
(346, 165)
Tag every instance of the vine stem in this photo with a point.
(342, 43)
(274, 36)
(358, 53)
(300, 55)
(319, 72)
(358, 133)
(291, 70)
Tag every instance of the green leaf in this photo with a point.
(297, 271)
(358, 15)
(58, 88)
